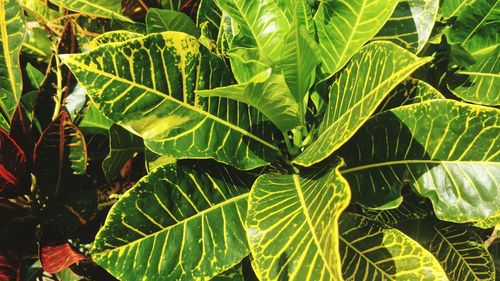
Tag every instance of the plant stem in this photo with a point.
(59, 90)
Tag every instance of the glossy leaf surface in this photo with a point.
(447, 151)
(356, 93)
(152, 95)
(292, 225)
(374, 251)
(178, 223)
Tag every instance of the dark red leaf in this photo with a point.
(20, 131)
(60, 155)
(10, 266)
(55, 252)
(12, 167)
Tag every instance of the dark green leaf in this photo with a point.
(158, 20)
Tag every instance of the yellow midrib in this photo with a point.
(5, 46)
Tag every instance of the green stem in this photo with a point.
(59, 90)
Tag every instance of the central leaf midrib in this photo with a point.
(192, 108)
(201, 213)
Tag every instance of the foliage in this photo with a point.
(244, 140)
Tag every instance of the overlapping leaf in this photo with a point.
(374, 251)
(447, 151)
(411, 24)
(158, 20)
(181, 222)
(451, 8)
(98, 8)
(122, 146)
(345, 26)
(356, 93)
(12, 166)
(113, 37)
(292, 225)
(60, 153)
(462, 253)
(410, 91)
(147, 85)
(12, 30)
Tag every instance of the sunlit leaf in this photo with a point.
(158, 20)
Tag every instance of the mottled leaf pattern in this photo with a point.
(448, 151)
(178, 223)
(356, 93)
(98, 8)
(374, 251)
(147, 85)
(292, 225)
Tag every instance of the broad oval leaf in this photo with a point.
(345, 26)
(356, 93)
(158, 20)
(59, 154)
(261, 24)
(462, 253)
(374, 251)
(411, 24)
(12, 31)
(292, 225)
(268, 93)
(113, 37)
(147, 85)
(180, 222)
(12, 166)
(447, 151)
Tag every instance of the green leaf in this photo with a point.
(122, 146)
(489, 222)
(158, 20)
(471, 18)
(113, 37)
(410, 91)
(97, 8)
(209, 19)
(39, 9)
(232, 274)
(345, 26)
(356, 93)
(180, 222)
(447, 151)
(37, 44)
(34, 75)
(452, 8)
(292, 225)
(245, 64)
(411, 24)
(59, 155)
(374, 251)
(462, 253)
(12, 30)
(268, 93)
(94, 121)
(152, 94)
(482, 80)
(261, 24)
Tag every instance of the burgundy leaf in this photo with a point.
(56, 253)
(20, 131)
(12, 166)
(60, 155)
(10, 266)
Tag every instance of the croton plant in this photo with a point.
(249, 140)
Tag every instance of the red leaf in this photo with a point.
(59, 155)
(12, 166)
(10, 266)
(20, 130)
(55, 253)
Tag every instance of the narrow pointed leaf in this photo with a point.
(447, 151)
(356, 93)
(12, 166)
(158, 20)
(12, 31)
(462, 253)
(152, 95)
(59, 154)
(268, 93)
(261, 25)
(345, 26)
(122, 146)
(292, 225)
(411, 24)
(56, 253)
(374, 251)
(180, 222)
